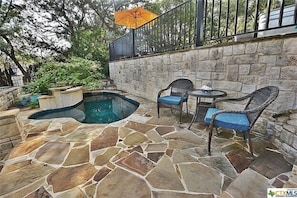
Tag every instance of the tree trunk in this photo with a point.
(3, 78)
(24, 72)
(11, 54)
(8, 77)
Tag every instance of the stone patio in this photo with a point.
(141, 156)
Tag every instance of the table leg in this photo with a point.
(196, 112)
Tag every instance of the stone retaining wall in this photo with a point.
(9, 131)
(237, 68)
(8, 95)
(285, 136)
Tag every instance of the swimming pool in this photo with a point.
(100, 108)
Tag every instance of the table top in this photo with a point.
(207, 93)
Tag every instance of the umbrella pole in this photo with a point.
(133, 35)
(133, 42)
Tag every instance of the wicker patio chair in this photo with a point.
(242, 120)
(178, 94)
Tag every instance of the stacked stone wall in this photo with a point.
(8, 96)
(9, 131)
(237, 68)
(285, 136)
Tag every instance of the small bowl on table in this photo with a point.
(206, 90)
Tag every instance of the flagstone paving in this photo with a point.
(138, 157)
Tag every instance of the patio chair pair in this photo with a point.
(238, 120)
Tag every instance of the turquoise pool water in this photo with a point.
(95, 108)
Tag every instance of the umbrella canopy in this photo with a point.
(133, 18)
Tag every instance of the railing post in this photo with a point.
(199, 22)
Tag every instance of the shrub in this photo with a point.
(71, 72)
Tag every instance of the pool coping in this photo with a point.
(125, 96)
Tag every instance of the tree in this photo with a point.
(91, 44)
(11, 40)
(88, 30)
(42, 28)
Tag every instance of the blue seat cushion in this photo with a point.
(236, 121)
(172, 100)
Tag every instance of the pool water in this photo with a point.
(97, 108)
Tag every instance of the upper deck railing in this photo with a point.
(202, 22)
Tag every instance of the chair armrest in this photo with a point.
(230, 99)
(162, 90)
(182, 95)
(234, 99)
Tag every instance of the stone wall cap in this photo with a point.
(7, 89)
(9, 113)
(72, 89)
(59, 88)
(46, 97)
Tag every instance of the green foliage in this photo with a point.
(91, 44)
(34, 104)
(166, 5)
(74, 71)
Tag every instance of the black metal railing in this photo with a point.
(172, 30)
(203, 22)
(229, 19)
